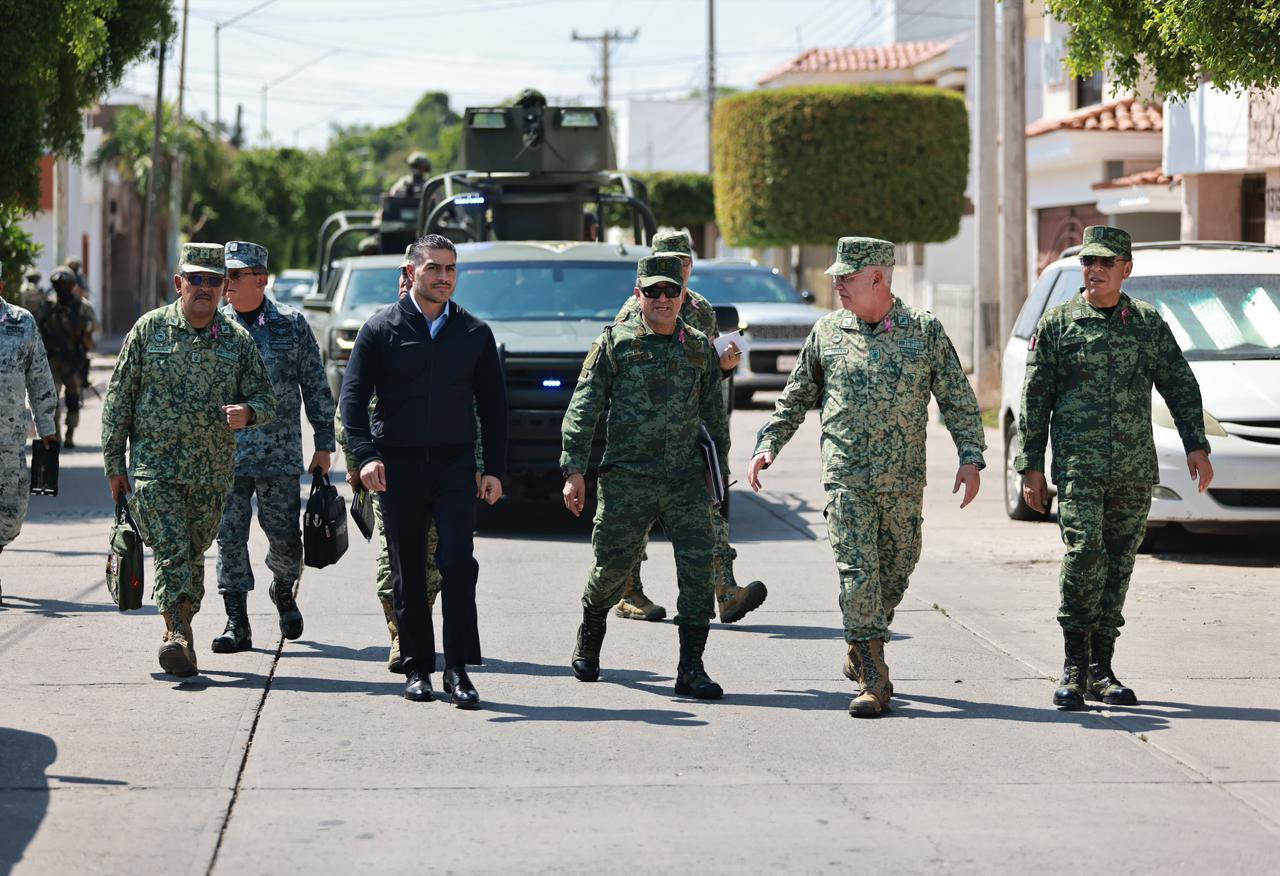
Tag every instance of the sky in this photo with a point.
(326, 62)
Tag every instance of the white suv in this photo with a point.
(1222, 301)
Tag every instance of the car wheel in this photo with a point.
(1014, 506)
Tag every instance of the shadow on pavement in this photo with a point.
(512, 713)
(783, 631)
(64, 608)
(1196, 710)
(370, 654)
(24, 790)
(1088, 718)
(82, 494)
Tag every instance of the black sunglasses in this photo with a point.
(1105, 261)
(659, 289)
(203, 279)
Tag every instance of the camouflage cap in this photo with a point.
(673, 242)
(33, 274)
(408, 256)
(62, 274)
(205, 257)
(243, 254)
(1104, 240)
(654, 269)
(855, 253)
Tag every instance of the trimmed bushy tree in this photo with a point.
(808, 165)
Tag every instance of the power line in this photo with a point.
(604, 39)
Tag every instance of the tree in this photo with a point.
(809, 165)
(60, 56)
(1176, 42)
(17, 249)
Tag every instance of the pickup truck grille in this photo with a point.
(779, 332)
(538, 392)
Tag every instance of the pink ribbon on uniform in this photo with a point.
(681, 336)
(1124, 316)
(888, 323)
(214, 331)
(262, 318)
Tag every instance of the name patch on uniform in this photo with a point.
(836, 351)
(11, 329)
(225, 353)
(911, 347)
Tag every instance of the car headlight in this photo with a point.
(1161, 416)
(341, 342)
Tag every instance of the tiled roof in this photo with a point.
(1155, 177)
(1127, 114)
(864, 59)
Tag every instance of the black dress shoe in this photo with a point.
(418, 688)
(461, 691)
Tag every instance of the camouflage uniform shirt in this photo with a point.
(167, 392)
(874, 387)
(24, 376)
(657, 389)
(1093, 373)
(696, 311)
(292, 359)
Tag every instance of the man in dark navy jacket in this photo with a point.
(432, 366)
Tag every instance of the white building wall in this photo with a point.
(1208, 133)
(664, 135)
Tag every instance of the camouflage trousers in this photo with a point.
(279, 515)
(1102, 525)
(178, 522)
(15, 489)
(876, 539)
(434, 579)
(68, 382)
(722, 553)
(628, 506)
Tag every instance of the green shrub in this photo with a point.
(809, 165)
(679, 200)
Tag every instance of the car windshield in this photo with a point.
(1212, 316)
(743, 286)
(512, 290)
(288, 291)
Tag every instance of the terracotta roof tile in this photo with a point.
(1155, 177)
(861, 59)
(1126, 114)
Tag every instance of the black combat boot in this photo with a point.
(1103, 684)
(1075, 670)
(691, 678)
(586, 656)
(290, 617)
(237, 636)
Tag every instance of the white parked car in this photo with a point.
(776, 317)
(1222, 301)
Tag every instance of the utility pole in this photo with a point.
(217, 57)
(711, 81)
(175, 183)
(606, 40)
(1013, 167)
(149, 207)
(986, 320)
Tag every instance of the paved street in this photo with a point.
(305, 759)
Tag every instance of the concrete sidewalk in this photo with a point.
(305, 759)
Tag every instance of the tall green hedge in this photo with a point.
(808, 165)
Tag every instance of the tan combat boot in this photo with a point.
(393, 659)
(851, 671)
(634, 605)
(866, 659)
(176, 654)
(733, 601)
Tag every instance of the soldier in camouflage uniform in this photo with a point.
(32, 296)
(659, 378)
(1090, 367)
(873, 366)
(410, 185)
(67, 333)
(186, 378)
(24, 380)
(733, 601)
(269, 458)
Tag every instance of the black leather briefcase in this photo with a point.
(324, 524)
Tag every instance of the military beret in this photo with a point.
(673, 242)
(1107, 241)
(856, 253)
(654, 269)
(207, 257)
(242, 254)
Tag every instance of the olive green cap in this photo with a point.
(654, 269)
(855, 253)
(673, 243)
(207, 257)
(408, 256)
(1105, 240)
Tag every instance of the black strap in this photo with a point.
(123, 515)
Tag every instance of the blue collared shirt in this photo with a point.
(433, 325)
